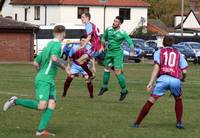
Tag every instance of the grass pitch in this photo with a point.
(102, 117)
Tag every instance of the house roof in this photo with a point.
(9, 24)
(157, 26)
(179, 13)
(115, 3)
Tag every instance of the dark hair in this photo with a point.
(59, 29)
(121, 19)
(83, 37)
(168, 41)
(87, 14)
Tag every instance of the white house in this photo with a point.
(103, 12)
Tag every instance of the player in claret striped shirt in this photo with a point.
(169, 64)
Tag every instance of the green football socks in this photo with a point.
(32, 104)
(106, 77)
(46, 116)
(122, 82)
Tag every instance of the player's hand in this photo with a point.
(183, 79)
(149, 88)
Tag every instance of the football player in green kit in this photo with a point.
(114, 55)
(46, 63)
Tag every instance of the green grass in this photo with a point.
(102, 117)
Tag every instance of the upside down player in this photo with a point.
(169, 64)
(93, 36)
(46, 63)
(76, 52)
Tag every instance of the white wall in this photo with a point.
(7, 10)
(177, 20)
(191, 22)
(53, 14)
(68, 14)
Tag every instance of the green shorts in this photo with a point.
(115, 59)
(45, 90)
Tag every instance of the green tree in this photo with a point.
(165, 9)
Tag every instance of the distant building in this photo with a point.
(191, 22)
(158, 28)
(46, 12)
(16, 41)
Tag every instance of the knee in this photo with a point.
(152, 99)
(178, 97)
(52, 104)
(70, 78)
(107, 69)
(42, 105)
(118, 71)
(87, 80)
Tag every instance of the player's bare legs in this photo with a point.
(67, 84)
(179, 112)
(89, 86)
(82, 61)
(144, 111)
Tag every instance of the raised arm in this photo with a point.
(130, 43)
(154, 75)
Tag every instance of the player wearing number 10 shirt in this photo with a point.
(169, 64)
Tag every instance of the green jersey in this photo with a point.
(115, 39)
(48, 69)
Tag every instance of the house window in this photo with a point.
(82, 10)
(125, 13)
(25, 14)
(37, 13)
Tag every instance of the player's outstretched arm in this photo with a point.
(154, 75)
(59, 62)
(130, 43)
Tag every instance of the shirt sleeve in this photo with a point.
(156, 57)
(88, 28)
(183, 63)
